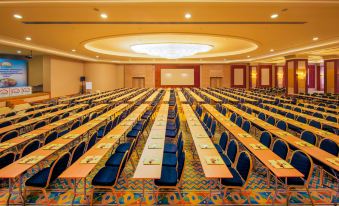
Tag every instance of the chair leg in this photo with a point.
(179, 192)
(116, 196)
(225, 195)
(91, 196)
(46, 197)
(309, 194)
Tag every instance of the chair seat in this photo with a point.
(293, 181)
(235, 181)
(205, 127)
(170, 148)
(133, 133)
(168, 177)
(227, 161)
(171, 115)
(124, 147)
(115, 160)
(39, 179)
(171, 127)
(169, 160)
(219, 149)
(171, 133)
(101, 132)
(106, 176)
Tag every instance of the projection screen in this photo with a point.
(177, 77)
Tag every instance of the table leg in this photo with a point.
(74, 189)
(20, 191)
(10, 190)
(275, 190)
(85, 195)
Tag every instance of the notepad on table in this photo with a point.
(104, 145)
(28, 135)
(280, 164)
(214, 160)
(202, 135)
(5, 145)
(91, 159)
(31, 159)
(245, 135)
(304, 144)
(206, 146)
(70, 136)
(151, 161)
(53, 146)
(154, 146)
(113, 136)
(258, 146)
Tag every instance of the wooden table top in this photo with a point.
(125, 96)
(264, 156)
(316, 97)
(194, 95)
(252, 96)
(326, 108)
(181, 96)
(153, 96)
(224, 96)
(313, 151)
(213, 98)
(318, 132)
(139, 96)
(236, 95)
(309, 117)
(111, 96)
(156, 138)
(201, 138)
(80, 170)
(167, 95)
(99, 95)
(326, 114)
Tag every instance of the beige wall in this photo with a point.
(65, 76)
(104, 76)
(146, 71)
(35, 71)
(215, 70)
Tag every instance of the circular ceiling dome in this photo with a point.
(220, 46)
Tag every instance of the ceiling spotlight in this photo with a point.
(188, 15)
(103, 16)
(97, 57)
(19, 52)
(248, 56)
(73, 50)
(17, 16)
(274, 16)
(271, 50)
(315, 38)
(28, 38)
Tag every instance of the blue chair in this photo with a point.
(231, 153)
(280, 148)
(240, 173)
(93, 115)
(266, 139)
(50, 137)
(92, 140)
(239, 121)
(211, 132)
(262, 116)
(233, 117)
(9, 135)
(249, 110)
(290, 115)
(54, 119)
(7, 159)
(39, 125)
(85, 120)
(65, 115)
(328, 118)
(38, 114)
(281, 125)
(331, 147)
(42, 179)
(11, 114)
(30, 147)
(171, 159)
(309, 137)
(246, 126)
(107, 178)
(171, 177)
(304, 164)
(271, 120)
(5, 124)
(224, 111)
(173, 148)
(22, 119)
(315, 124)
(222, 143)
(78, 151)
(318, 115)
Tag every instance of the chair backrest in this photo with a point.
(30, 147)
(39, 125)
(290, 115)
(213, 127)
(121, 167)
(75, 124)
(65, 115)
(92, 140)
(262, 116)
(78, 151)
(5, 124)
(302, 162)
(93, 115)
(223, 140)
(329, 146)
(181, 164)
(232, 150)
(54, 119)
(38, 114)
(317, 114)
(10, 114)
(239, 121)
(22, 119)
(108, 127)
(266, 139)
(282, 125)
(249, 110)
(85, 120)
(223, 110)
(315, 124)
(246, 126)
(233, 117)
(271, 120)
(50, 137)
(309, 137)
(7, 159)
(328, 118)
(9, 135)
(280, 148)
(244, 165)
(301, 119)
(58, 167)
(209, 122)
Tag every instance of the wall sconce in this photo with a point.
(280, 75)
(254, 74)
(301, 75)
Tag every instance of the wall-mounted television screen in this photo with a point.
(13, 73)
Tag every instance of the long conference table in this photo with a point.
(264, 155)
(205, 148)
(152, 154)
(181, 96)
(212, 98)
(80, 169)
(230, 99)
(196, 97)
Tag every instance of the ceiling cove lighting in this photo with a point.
(17, 16)
(274, 16)
(188, 15)
(171, 50)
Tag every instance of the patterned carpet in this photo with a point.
(195, 189)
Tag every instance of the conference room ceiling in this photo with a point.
(244, 30)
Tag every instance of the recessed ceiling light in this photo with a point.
(248, 56)
(28, 38)
(73, 50)
(19, 52)
(271, 50)
(103, 15)
(17, 16)
(274, 16)
(188, 15)
(315, 38)
(97, 57)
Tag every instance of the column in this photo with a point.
(296, 78)
(331, 73)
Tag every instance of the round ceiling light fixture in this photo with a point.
(171, 50)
